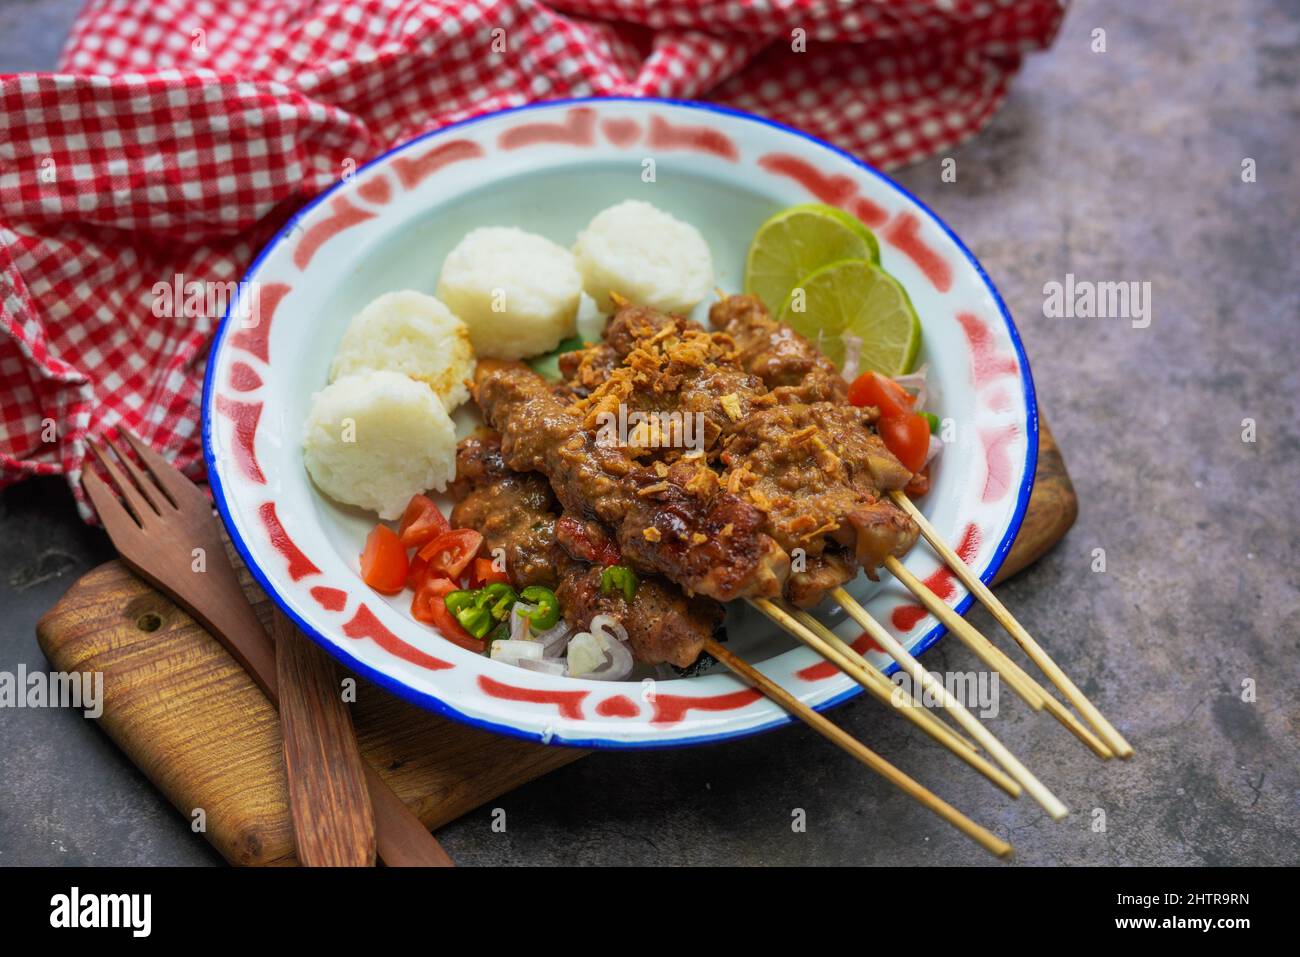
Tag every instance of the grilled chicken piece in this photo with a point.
(826, 571)
(708, 541)
(663, 625)
(787, 363)
(516, 511)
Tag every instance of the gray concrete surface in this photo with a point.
(1116, 166)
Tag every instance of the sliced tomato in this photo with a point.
(484, 572)
(417, 571)
(449, 553)
(383, 561)
(421, 523)
(872, 388)
(428, 606)
(908, 437)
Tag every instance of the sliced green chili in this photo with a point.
(547, 612)
(619, 578)
(934, 422)
(477, 621)
(457, 601)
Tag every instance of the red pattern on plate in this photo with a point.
(412, 172)
(569, 702)
(253, 332)
(833, 189)
(619, 706)
(671, 136)
(904, 234)
(343, 215)
(621, 131)
(377, 190)
(243, 377)
(300, 566)
(331, 599)
(824, 669)
(998, 461)
(867, 211)
(244, 415)
(905, 617)
(986, 364)
(364, 624)
(672, 708)
(578, 129)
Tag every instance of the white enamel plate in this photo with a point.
(549, 168)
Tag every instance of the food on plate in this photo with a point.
(708, 539)
(817, 268)
(414, 334)
(858, 315)
(574, 553)
(796, 242)
(652, 258)
(517, 292)
(519, 514)
(376, 438)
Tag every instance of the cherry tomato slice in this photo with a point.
(483, 572)
(416, 573)
(908, 437)
(383, 561)
(872, 388)
(449, 553)
(428, 606)
(421, 523)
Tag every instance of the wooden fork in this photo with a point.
(167, 534)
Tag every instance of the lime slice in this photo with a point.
(858, 298)
(797, 241)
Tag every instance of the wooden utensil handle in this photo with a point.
(328, 797)
(402, 841)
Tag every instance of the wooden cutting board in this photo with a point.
(186, 713)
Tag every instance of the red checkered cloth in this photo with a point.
(179, 135)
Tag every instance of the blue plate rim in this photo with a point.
(430, 702)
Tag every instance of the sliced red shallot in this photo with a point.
(548, 666)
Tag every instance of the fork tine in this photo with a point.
(175, 485)
(147, 488)
(142, 510)
(112, 513)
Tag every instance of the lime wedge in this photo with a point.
(857, 298)
(797, 241)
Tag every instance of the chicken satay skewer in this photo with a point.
(783, 357)
(994, 657)
(964, 718)
(838, 736)
(817, 637)
(967, 576)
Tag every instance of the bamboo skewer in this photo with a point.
(994, 657)
(846, 650)
(1113, 739)
(884, 691)
(844, 740)
(968, 722)
(984, 650)
(842, 655)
